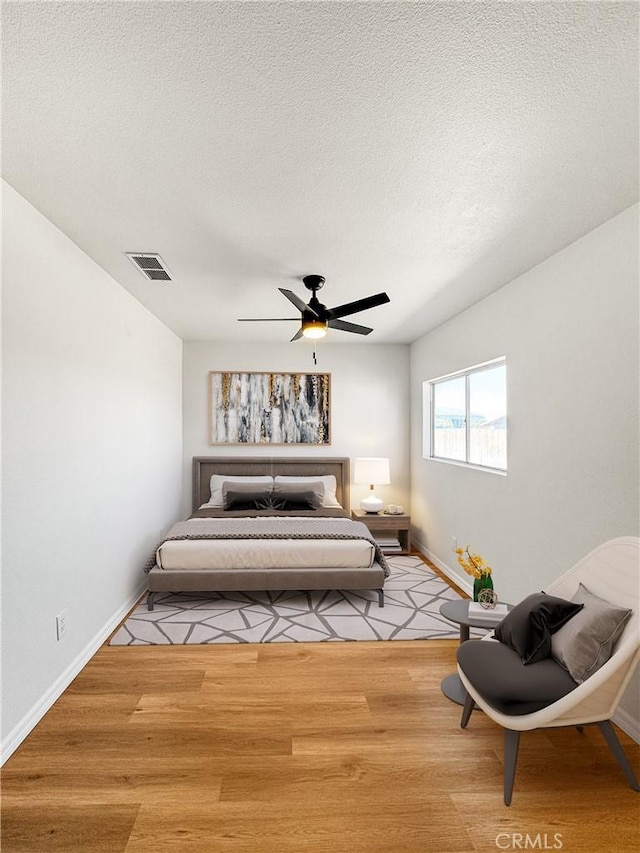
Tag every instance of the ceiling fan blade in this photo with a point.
(293, 297)
(349, 327)
(358, 305)
(297, 335)
(266, 319)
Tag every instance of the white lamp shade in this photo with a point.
(372, 470)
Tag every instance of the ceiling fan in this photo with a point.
(317, 318)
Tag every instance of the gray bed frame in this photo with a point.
(236, 580)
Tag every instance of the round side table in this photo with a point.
(458, 612)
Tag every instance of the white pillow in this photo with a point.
(327, 480)
(218, 480)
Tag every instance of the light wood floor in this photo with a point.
(299, 748)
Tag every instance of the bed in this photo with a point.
(268, 524)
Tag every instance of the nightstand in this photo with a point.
(382, 525)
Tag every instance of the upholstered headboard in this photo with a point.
(291, 466)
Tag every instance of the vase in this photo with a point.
(483, 582)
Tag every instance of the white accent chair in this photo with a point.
(612, 572)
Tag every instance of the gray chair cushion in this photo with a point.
(498, 674)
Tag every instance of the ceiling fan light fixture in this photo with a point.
(314, 329)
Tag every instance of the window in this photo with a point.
(465, 416)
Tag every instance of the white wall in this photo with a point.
(569, 330)
(369, 403)
(92, 421)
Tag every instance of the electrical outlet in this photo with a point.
(61, 625)
(454, 543)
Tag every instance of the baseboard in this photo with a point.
(628, 725)
(33, 717)
(464, 583)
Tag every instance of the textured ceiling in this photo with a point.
(432, 150)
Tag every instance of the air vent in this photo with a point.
(151, 266)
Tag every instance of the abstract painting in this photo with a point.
(269, 408)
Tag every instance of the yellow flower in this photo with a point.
(473, 564)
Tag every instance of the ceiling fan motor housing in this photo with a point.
(313, 282)
(311, 316)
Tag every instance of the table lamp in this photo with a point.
(375, 472)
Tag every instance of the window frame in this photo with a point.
(428, 424)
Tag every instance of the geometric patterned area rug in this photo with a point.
(412, 597)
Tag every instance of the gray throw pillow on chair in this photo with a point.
(587, 641)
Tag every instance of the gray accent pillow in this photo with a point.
(220, 481)
(297, 496)
(245, 496)
(587, 642)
